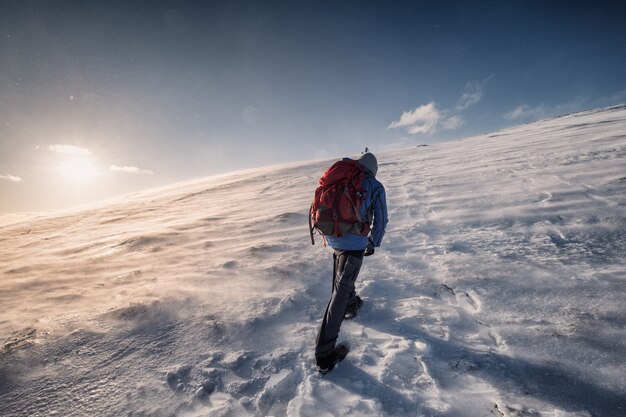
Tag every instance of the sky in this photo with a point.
(99, 99)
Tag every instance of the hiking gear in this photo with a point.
(369, 251)
(369, 162)
(336, 207)
(326, 364)
(373, 208)
(346, 269)
(353, 309)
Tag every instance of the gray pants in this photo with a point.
(345, 271)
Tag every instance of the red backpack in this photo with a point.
(336, 205)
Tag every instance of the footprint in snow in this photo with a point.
(446, 293)
(403, 367)
(469, 301)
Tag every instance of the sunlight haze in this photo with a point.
(99, 99)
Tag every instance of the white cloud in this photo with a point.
(472, 93)
(453, 122)
(69, 150)
(130, 169)
(422, 119)
(526, 112)
(427, 119)
(518, 112)
(10, 177)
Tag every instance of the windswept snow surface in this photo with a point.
(499, 290)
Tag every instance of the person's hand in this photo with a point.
(369, 251)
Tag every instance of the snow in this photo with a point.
(498, 290)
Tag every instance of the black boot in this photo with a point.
(326, 364)
(353, 308)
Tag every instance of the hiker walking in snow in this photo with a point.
(350, 211)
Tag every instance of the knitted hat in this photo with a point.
(368, 161)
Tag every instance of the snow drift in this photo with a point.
(498, 290)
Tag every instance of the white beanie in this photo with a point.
(368, 161)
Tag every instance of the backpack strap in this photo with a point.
(354, 207)
(311, 225)
(335, 214)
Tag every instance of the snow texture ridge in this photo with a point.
(498, 290)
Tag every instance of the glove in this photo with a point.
(369, 251)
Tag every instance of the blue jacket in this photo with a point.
(374, 205)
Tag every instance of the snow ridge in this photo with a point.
(497, 292)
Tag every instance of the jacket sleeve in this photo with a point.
(379, 208)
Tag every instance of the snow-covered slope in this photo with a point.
(498, 291)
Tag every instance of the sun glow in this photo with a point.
(78, 170)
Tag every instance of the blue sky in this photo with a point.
(103, 98)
